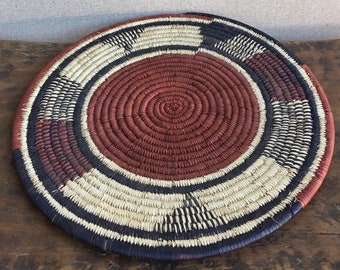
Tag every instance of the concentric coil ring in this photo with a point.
(169, 117)
(173, 137)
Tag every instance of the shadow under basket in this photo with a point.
(172, 137)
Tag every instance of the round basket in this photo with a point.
(173, 137)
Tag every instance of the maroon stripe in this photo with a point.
(278, 79)
(308, 193)
(58, 151)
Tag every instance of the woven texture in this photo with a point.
(173, 137)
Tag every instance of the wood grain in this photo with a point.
(29, 241)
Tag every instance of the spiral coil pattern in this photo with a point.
(173, 137)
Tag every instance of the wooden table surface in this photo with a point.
(311, 240)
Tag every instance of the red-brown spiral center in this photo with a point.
(174, 116)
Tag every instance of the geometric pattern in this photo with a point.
(173, 137)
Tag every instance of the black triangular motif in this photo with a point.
(124, 39)
(215, 32)
(192, 215)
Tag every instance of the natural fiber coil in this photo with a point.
(173, 137)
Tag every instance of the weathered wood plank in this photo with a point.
(29, 241)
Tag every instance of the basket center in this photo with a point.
(174, 116)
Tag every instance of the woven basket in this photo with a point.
(173, 137)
